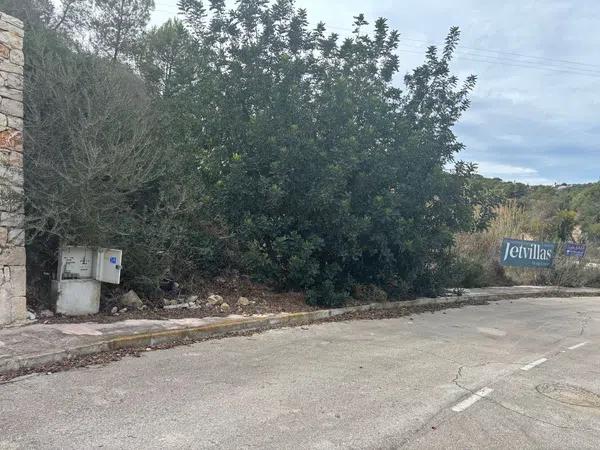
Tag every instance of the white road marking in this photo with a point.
(577, 346)
(533, 364)
(472, 399)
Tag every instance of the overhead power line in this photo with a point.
(552, 65)
(542, 58)
(514, 64)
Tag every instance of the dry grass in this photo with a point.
(479, 256)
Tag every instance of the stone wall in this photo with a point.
(12, 246)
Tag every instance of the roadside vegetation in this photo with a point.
(250, 142)
(545, 213)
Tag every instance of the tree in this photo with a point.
(163, 58)
(69, 16)
(324, 171)
(565, 223)
(118, 26)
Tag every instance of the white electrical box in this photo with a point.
(80, 272)
(80, 263)
(108, 265)
(75, 263)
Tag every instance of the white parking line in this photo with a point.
(533, 364)
(472, 399)
(577, 346)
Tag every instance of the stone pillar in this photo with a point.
(12, 236)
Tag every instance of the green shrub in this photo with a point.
(325, 173)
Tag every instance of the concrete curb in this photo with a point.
(239, 325)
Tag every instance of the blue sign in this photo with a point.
(113, 259)
(517, 253)
(577, 250)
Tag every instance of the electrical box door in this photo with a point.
(108, 265)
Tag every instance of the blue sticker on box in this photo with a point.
(113, 259)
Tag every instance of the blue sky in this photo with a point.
(535, 114)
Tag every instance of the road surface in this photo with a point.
(511, 374)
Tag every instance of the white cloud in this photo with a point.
(527, 113)
(510, 172)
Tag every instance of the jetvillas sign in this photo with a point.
(517, 253)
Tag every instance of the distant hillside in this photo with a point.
(562, 212)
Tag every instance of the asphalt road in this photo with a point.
(396, 383)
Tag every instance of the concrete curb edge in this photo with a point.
(250, 324)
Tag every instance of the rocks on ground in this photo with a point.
(46, 313)
(214, 300)
(244, 301)
(130, 300)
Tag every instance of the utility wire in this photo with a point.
(566, 61)
(513, 61)
(513, 64)
(502, 60)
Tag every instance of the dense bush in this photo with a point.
(325, 172)
(244, 138)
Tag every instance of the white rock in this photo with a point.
(178, 306)
(31, 315)
(225, 307)
(243, 301)
(130, 300)
(214, 299)
(114, 310)
(192, 299)
(46, 313)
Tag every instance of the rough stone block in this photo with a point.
(11, 219)
(12, 256)
(3, 236)
(11, 107)
(18, 281)
(13, 39)
(13, 94)
(12, 178)
(15, 159)
(14, 122)
(10, 138)
(11, 20)
(4, 51)
(19, 309)
(13, 27)
(13, 81)
(17, 57)
(5, 307)
(12, 309)
(4, 275)
(7, 66)
(16, 236)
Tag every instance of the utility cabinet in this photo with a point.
(76, 289)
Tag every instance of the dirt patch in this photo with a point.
(264, 300)
(104, 358)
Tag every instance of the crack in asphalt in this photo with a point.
(584, 323)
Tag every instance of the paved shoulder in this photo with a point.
(452, 378)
